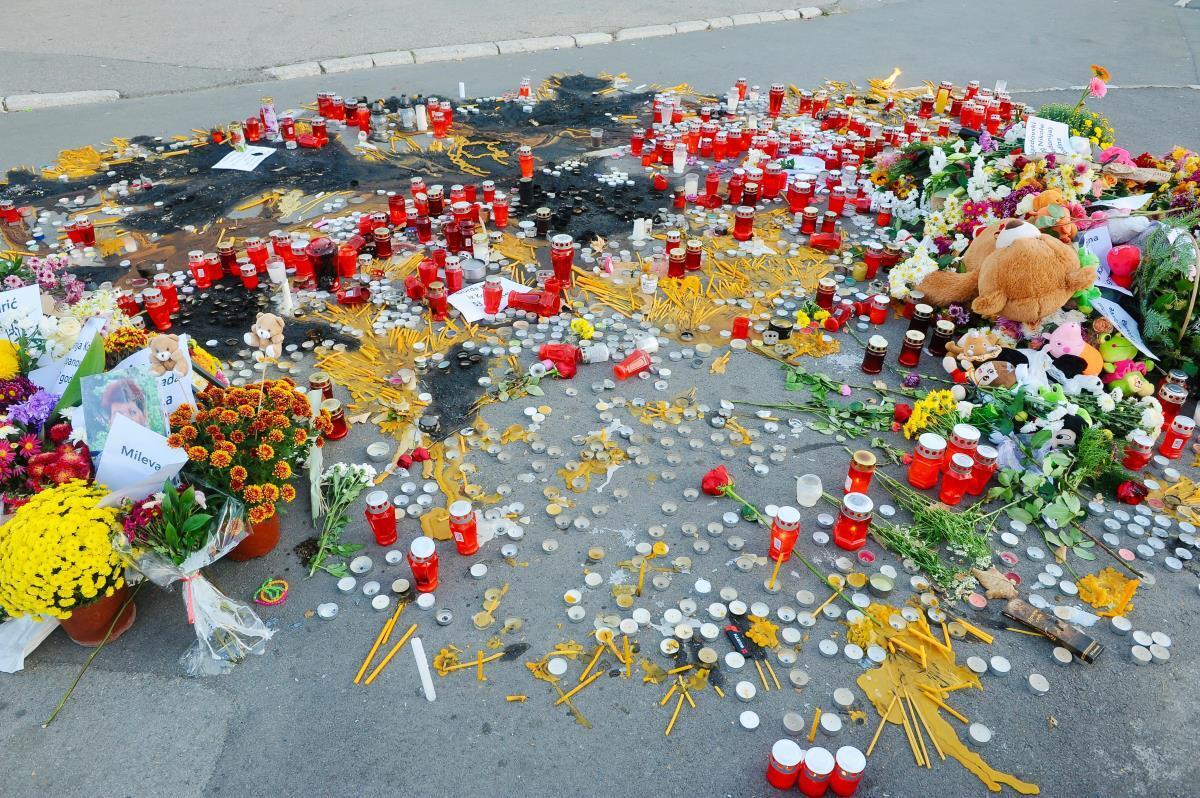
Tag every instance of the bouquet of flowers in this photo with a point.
(341, 485)
(169, 537)
(49, 274)
(248, 441)
(56, 552)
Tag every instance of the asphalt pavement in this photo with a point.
(292, 722)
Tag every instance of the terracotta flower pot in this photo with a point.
(88, 625)
(263, 539)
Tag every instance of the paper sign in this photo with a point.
(1132, 202)
(133, 454)
(23, 305)
(469, 301)
(69, 365)
(173, 389)
(1046, 136)
(45, 376)
(246, 160)
(1098, 241)
(1124, 324)
(803, 164)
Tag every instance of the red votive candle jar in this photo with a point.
(695, 255)
(873, 257)
(198, 269)
(883, 214)
(956, 480)
(1171, 397)
(437, 300)
(128, 305)
(743, 224)
(808, 221)
(676, 264)
(740, 329)
(163, 282)
(815, 772)
(837, 200)
(320, 381)
(848, 772)
(853, 522)
(500, 210)
(862, 468)
(454, 278)
(879, 308)
(525, 160)
(463, 528)
(964, 439)
(337, 416)
(910, 350)
(492, 294)
(212, 266)
(423, 560)
(636, 139)
(256, 251)
(562, 257)
(157, 309)
(381, 515)
(783, 766)
(1178, 434)
(347, 261)
(1138, 452)
(427, 270)
(873, 356)
(424, 228)
(785, 529)
(922, 316)
(775, 99)
(826, 287)
(982, 470)
(637, 361)
(927, 460)
(1174, 375)
(943, 333)
(383, 242)
(249, 275)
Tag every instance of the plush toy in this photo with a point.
(975, 346)
(1123, 261)
(166, 355)
(1014, 271)
(1068, 340)
(266, 335)
(1120, 368)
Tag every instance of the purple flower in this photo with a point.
(13, 281)
(1051, 160)
(17, 389)
(912, 380)
(959, 314)
(986, 143)
(34, 411)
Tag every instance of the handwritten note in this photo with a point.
(246, 160)
(69, 365)
(20, 310)
(1047, 136)
(173, 389)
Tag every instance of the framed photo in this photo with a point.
(132, 393)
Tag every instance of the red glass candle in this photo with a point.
(423, 560)
(228, 255)
(525, 160)
(424, 228)
(634, 364)
(981, 472)
(129, 305)
(848, 772)
(964, 439)
(636, 139)
(562, 257)
(862, 469)
(677, 264)
(1173, 376)
(500, 210)
(492, 294)
(880, 303)
(775, 99)
(320, 381)
(743, 226)
(381, 515)
(1171, 397)
(249, 275)
(927, 460)
(347, 261)
(874, 355)
(943, 333)
(853, 522)
(454, 237)
(922, 317)
(826, 287)
(383, 243)
(414, 287)
(437, 300)
(1178, 434)
(956, 480)
(785, 529)
(740, 329)
(873, 257)
(808, 222)
(695, 255)
(212, 266)
(737, 184)
(783, 766)
(454, 278)
(163, 282)
(837, 200)
(256, 251)
(157, 309)
(883, 214)
(815, 772)
(86, 230)
(910, 350)
(337, 416)
(463, 528)
(1138, 452)
(799, 194)
(281, 243)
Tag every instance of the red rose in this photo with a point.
(420, 454)
(958, 376)
(716, 482)
(404, 461)
(902, 413)
(1131, 492)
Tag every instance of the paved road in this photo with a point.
(291, 722)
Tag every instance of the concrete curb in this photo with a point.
(460, 52)
(35, 102)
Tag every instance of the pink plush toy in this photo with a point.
(1068, 340)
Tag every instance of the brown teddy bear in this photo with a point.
(266, 335)
(166, 355)
(1012, 270)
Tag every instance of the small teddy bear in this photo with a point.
(166, 355)
(266, 335)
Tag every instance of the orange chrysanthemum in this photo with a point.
(287, 493)
(221, 459)
(1101, 73)
(282, 470)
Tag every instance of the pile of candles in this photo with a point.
(964, 465)
(817, 771)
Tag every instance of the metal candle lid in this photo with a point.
(819, 761)
(931, 444)
(877, 343)
(851, 760)
(914, 337)
(961, 463)
(857, 506)
(377, 500)
(422, 548)
(966, 433)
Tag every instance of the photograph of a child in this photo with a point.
(124, 392)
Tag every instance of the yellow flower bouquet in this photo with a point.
(56, 552)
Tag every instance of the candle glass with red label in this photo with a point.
(848, 771)
(927, 460)
(862, 469)
(164, 283)
(783, 766)
(157, 309)
(437, 300)
(562, 257)
(880, 303)
(1177, 436)
(493, 292)
(381, 516)
(1171, 397)
(826, 287)
(525, 160)
(340, 428)
(853, 522)
(423, 561)
(249, 275)
(463, 528)
(775, 99)
(943, 334)
(815, 772)
(964, 439)
(956, 480)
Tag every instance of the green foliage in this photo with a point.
(1163, 285)
(183, 528)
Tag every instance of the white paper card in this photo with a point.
(246, 160)
(1124, 324)
(173, 389)
(469, 301)
(23, 305)
(133, 453)
(1047, 136)
(70, 362)
(19, 637)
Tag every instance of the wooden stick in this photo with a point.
(674, 717)
(579, 687)
(392, 653)
(882, 722)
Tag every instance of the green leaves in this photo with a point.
(1071, 539)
